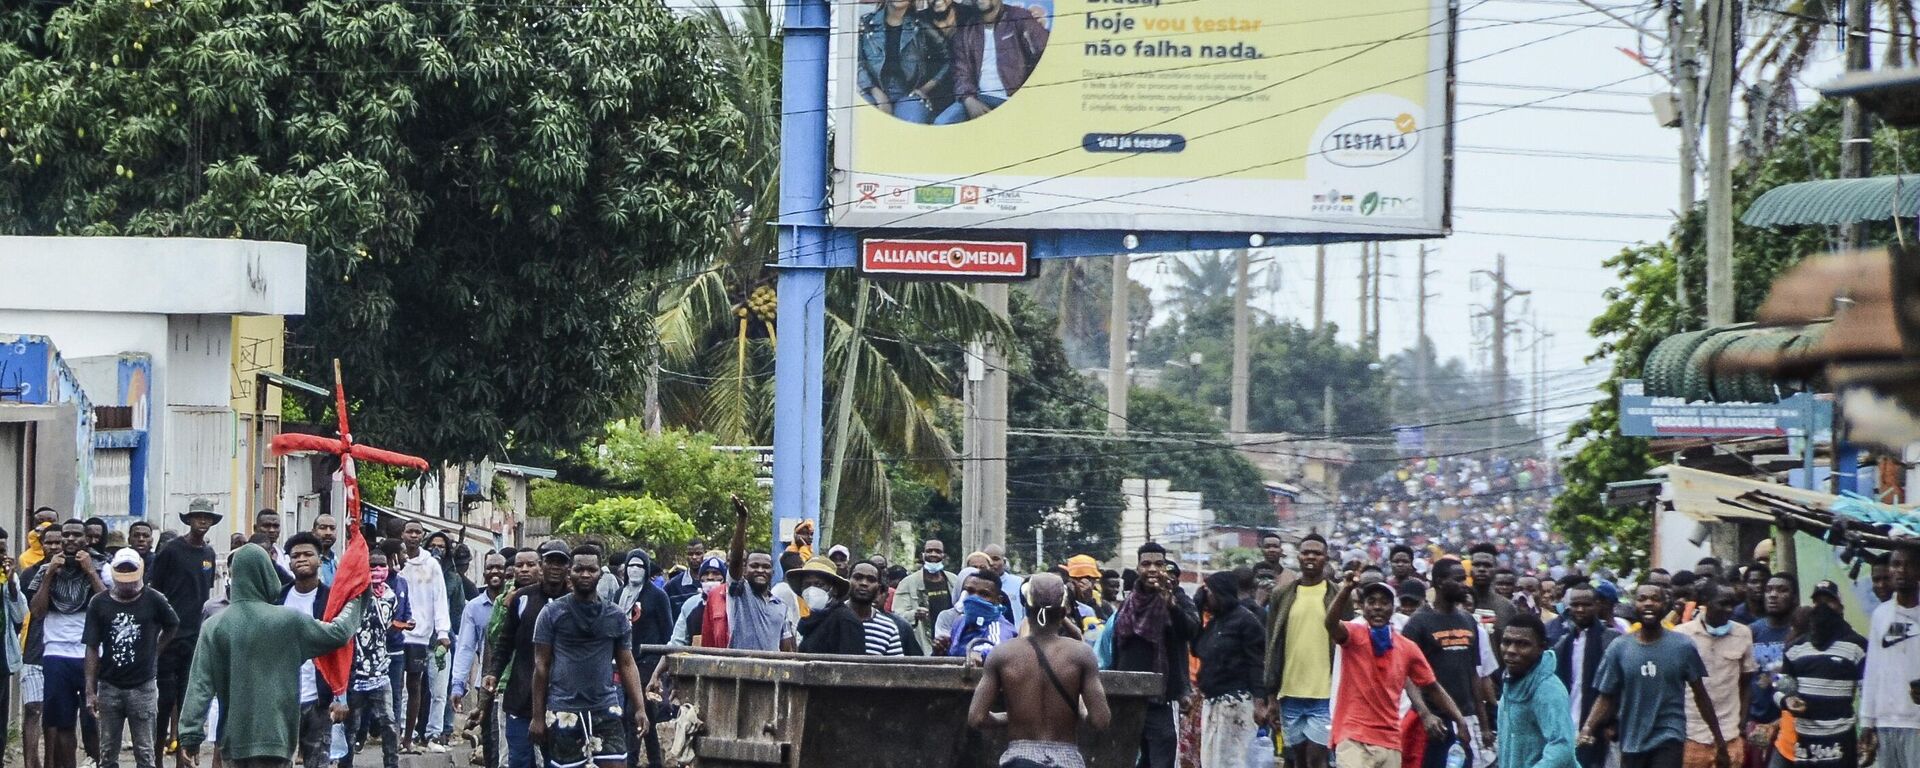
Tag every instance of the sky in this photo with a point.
(1556, 187)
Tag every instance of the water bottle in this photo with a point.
(1260, 752)
(1456, 756)
(338, 749)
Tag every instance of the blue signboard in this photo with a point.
(1410, 440)
(25, 362)
(1644, 416)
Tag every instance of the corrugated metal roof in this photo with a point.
(1835, 202)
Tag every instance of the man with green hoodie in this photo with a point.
(250, 659)
(1534, 731)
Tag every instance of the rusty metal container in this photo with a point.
(819, 711)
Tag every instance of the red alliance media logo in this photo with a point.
(944, 258)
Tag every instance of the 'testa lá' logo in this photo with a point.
(1370, 142)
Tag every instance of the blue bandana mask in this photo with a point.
(979, 610)
(1382, 638)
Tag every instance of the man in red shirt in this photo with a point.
(1374, 670)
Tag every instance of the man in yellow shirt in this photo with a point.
(1299, 663)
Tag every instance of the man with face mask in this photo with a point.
(1376, 666)
(1578, 654)
(123, 634)
(1819, 677)
(925, 593)
(376, 648)
(857, 626)
(1726, 646)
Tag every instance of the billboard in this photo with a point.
(1642, 415)
(1178, 115)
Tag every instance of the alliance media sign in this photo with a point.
(947, 259)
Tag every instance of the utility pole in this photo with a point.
(1117, 349)
(1503, 292)
(1039, 548)
(1379, 266)
(1319, 287)
(1366, 286)
(1326, 411)
(1421, 344)
(1682, 32)
(983, 511)
(1856, 135)
(1242, 327)
(1719, 166)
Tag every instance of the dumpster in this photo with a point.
(814, 711)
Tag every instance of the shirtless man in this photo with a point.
(1049, 680)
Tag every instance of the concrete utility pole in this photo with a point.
(1326, 411)
(1503, 292)
(1379, 267)
(1366, 286)
(1319, 287)
(1683, 29)
(1421, 344)
(1856, 134)
(983, 509)
(1719, 166)
(1242, 327)
(1117, 349)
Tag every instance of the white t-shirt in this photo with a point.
(302, 603)
(63, 633)
(1893, 659)
(990, 84)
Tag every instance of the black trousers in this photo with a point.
(1594, 756)
(1668, 755)
(1159, 738)
(175, 660)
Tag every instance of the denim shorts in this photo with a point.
(1305, 720)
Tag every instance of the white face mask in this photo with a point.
(636, 574)
(816, 598)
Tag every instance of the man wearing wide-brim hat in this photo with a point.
(817, 572)
(183, 572)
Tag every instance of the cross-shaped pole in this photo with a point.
(350, 579)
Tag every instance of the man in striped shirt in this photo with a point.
(857, 626)
(1819, 677)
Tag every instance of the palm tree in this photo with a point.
(1791, 31)
(716, 330)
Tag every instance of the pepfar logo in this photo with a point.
(1371, 142)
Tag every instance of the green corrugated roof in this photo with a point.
(1835, 202)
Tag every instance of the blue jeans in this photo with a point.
(909, 107)
(957, 113)
(519, 744)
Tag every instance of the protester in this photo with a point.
(1578, 654)
(1150, 634)
(376, 649)
(1047, 681)
(926, 592)
(1890, 697)
(251, 660)
(1412, 596)
(432, 627)
(1232, 651)
(858, 626)
(1485, 558)
(686, 624)
(1009, 583)
(578, 637)
(976, 626)
(1819, 677)
(1643, 680)
(123, 634)
(60, 588)
(1083, 588)
(307, 596)
(1726, 648)
(470, 645)
(13, 615)
(686, 583)
(1449, 638)
(1376, 666)
(1298, 668)
(1753, 586)
(1780, 599)
(1533, 731)
(326, 528)
(744, 613)
(510, 656)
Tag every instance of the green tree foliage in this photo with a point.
(482, 187)
(643, 519)
(1641, 312)
(1227, 482)
(1290, 366)
(682, 471)
(1047, 476)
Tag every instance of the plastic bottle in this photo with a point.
(338, 749)
(1260, 752)
(1456, 756)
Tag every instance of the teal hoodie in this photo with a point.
(1535, 730)
(249, 658)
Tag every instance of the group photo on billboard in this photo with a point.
(1199, 115)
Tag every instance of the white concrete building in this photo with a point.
(1155, 512)
(161, 337)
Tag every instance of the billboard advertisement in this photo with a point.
(1642, 415)
(1174, 115)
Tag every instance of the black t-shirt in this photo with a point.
(183, 573)
(127, 634)
(1451, 643)
(891, 73)
(939, 596)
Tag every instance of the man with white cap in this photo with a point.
(124, 633)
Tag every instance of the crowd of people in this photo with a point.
(1372, 661)
(946, 61)
(1440, 505)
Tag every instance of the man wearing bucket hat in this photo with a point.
(182, 571)
(122, 635)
